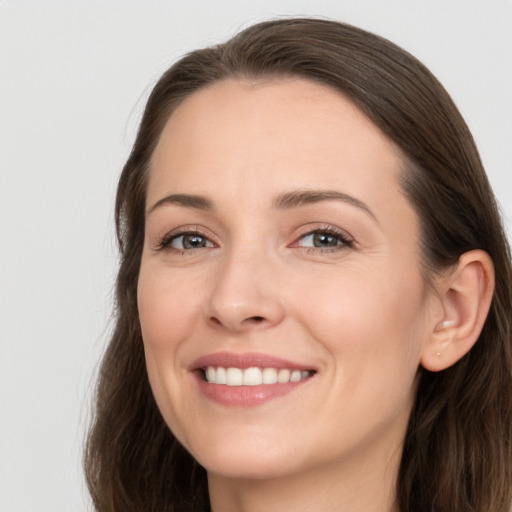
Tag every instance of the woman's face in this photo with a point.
(279, 247)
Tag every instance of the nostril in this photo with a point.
(235, 323)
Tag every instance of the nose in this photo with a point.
(245, 294)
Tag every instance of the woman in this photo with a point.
(314, 296)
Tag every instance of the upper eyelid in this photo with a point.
(188, 230)
(323, 228)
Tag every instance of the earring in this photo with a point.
(447, 323)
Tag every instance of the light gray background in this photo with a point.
(73, 80)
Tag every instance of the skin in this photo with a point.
(360, 313)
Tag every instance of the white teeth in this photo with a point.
(295, 376)
(253, 376)
(269, 376)
(283, 376)
(220, 376)
(234, 377)
(210, 374)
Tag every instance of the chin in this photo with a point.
(243, 459)
(247, 467)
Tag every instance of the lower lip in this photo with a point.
(246, 396)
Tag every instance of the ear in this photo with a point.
(465, 294)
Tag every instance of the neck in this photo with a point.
(369, 487)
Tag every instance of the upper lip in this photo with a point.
(245, 360)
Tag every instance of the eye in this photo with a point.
(327, 239)
(190, 241)
(185, 242)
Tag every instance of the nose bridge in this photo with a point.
(244, 292)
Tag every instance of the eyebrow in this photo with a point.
(284, 201)
(297, 198)
(185, 200)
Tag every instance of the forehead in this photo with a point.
(276, 134)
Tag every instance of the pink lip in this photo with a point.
(246, 360)
(244, 396)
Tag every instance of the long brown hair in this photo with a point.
(457, 454)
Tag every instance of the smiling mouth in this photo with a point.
(248, 379)
(253, 376)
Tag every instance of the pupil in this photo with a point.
(193, 241)
(325, 240)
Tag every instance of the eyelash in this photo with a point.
(165, 242)
(345, 240)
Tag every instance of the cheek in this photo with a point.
(368, 318)
(168, 316)
(167, 310)
(373, 334)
